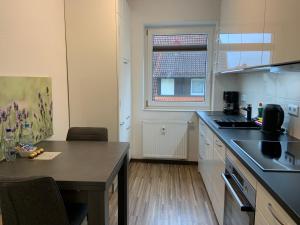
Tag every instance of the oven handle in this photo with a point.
(243, 207)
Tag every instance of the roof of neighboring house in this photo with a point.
(182, 60)
(179, 64)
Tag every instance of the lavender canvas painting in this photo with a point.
(26, 99)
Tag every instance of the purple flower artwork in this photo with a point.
(26, 100)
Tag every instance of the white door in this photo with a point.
(124, 101)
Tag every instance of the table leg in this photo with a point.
(123, 193)
(98, 208)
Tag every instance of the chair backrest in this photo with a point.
(87, 134)
(32, 201)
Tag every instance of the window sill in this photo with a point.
(177, 109)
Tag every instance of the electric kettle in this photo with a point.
(273, 116)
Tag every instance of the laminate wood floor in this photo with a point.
(165, 194)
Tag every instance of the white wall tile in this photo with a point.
(278, 88)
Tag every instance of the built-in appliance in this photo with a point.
(273, 116)
(239, 207)
(273, 155)
(231, 102)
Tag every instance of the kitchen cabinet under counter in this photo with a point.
(276, 201)
(211, 164)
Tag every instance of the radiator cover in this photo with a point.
(165, 139)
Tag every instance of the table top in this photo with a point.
(82, 164)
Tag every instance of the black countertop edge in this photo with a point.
(206, 117)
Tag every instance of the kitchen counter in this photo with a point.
(283, 186)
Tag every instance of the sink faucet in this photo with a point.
(248, 109)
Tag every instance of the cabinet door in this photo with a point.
(282, 33)
(270, 209)
(252, 31)
(241, 34)
(217, 182)
(230, 39)
(259, 219)
(124, 31)
(124, 83)
(205, 153)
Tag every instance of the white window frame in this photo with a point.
(199, 29)
(196, 93)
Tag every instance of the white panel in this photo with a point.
(165, 139)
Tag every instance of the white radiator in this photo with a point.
(165, 139)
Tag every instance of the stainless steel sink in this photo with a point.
(223, 124)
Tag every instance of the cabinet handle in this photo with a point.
(121, 124)
(270, 208)
(219, 145)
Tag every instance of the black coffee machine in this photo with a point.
(231, 102)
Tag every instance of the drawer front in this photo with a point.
(219, 149)
(270, 209)
(205, 130)
(259, 219)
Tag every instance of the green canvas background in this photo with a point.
(34, 94)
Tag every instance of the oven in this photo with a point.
(239, 207)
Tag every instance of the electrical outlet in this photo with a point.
(293, 110)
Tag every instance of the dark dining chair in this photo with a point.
(37, 201)
(87, 134)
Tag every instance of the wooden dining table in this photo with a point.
(84, 171)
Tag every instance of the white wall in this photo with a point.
(277, 88)
(156, 12)
(32, 43)
(92, 63)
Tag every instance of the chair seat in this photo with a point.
(76, 212)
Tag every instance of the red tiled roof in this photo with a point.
(179, 63)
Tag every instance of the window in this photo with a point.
(197, 87)
(167, 87)
(178, 65)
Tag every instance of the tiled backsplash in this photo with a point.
(279, 88)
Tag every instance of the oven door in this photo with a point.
(237, 209)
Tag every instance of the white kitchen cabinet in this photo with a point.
(240, 34)
(205, 153)
(257, 32)
(124, 70)
(270, 212)
(259, 218)
(212, 155)
(211, 165)
(282, 34)
(217, 183)
(124, 101)
(98, 53)
(123, 26)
